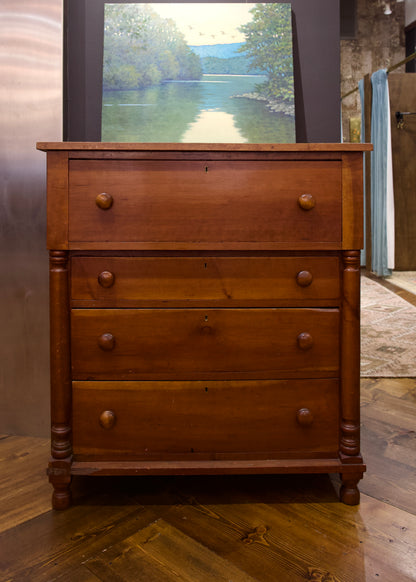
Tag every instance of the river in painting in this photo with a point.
(194, 112)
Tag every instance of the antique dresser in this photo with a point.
(204, 310)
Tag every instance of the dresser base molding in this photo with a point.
(60, 472)
(350, 473)
(274, 466)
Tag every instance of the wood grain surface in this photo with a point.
(205, 280)
(204, 344)
(221, 419)
(212, 202)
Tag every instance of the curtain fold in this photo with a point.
(382, 203)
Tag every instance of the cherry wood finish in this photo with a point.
(61, 396)
(262, 201)
(204, 281)
(212, 343)
(204, 310)
(150, 419)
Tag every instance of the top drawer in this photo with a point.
(193, 204)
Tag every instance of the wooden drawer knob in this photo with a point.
(104, 201)
(304, 278)
(107, 419)
(306, 201)
(106, 279)
(107, 342)
(305, 341)
(304, 417)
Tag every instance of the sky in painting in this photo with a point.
(207, 23)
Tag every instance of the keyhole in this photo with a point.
(206, 168)
(206, 318)
(205, 265)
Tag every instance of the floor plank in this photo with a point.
(388, 435)
(81, 574)
(24, 489)
(280, 536)
(46, 547)
(169, 554)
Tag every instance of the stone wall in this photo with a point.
(379, 43)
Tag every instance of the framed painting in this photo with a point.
(193, 73)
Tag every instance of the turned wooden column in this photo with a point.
(350, 376)
(61, 448)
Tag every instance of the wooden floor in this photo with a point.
(264, 528)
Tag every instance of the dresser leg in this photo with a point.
(61, 496)
(349, 493)
(59, 472)
(59, 469)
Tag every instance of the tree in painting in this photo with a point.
(142, 49)
(268, 42)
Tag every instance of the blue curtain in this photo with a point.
(361, 90)
(380, 119)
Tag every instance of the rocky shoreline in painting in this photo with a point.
(275, 106)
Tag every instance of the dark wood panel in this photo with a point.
(402, 89)
(148, 418)
(218, 201)
(143, 281)
(196, 344)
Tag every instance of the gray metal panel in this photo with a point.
(30, 110)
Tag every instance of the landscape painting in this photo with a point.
(196, 73)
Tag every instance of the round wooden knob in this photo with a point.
(106, 279)
(304, 278)
(104, 201)
(305, 341)
(107, 342)
(107, 419)
(306, 201)
(304, 417)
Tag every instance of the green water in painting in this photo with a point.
(194, 111)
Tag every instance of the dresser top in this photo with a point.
(214, 147)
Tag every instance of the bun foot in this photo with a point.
(59, 472)
(349, 493)
(61, 497)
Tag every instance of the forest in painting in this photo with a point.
(171, 74)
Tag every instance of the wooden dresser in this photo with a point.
(204, 310)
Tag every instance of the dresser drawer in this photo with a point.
(142, 281)
(212, 343)
(141, 419)
(177, 202)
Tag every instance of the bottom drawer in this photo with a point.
(212, 420)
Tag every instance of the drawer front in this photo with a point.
(161, 202)
(116, 420)
(114, 281)
(212, 343)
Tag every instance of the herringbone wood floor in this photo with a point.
(197, 529)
